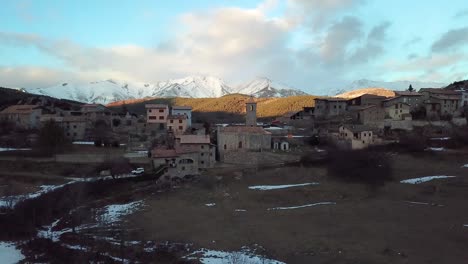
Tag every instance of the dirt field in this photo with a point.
(401, 223)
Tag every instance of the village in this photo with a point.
(103, 183)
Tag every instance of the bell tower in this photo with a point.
(251, 113)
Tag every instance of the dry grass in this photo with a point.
(374, 91)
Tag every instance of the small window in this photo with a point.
(240, 144)
(151, 117)
(161, 118)
(161, 110)
(202, 147)
(74, 126)
(202, 162)
(183, 167)
(180, 128)
(202, 154)
(224, 146)
(149, 110)
(180, 121)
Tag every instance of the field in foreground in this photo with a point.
(321, 221)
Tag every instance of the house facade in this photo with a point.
(330, 107)
(396, 110)
(357, 136)
(366, 100)
(413, 99)
(177, 163)
(367, 115)
(156, 117)
(23, 116)
(177, 123)
(200, 144)
(185, 111)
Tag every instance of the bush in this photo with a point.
(360, 166)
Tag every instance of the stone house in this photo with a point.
(183, 110)
(74, 127)
(366, 100)
(23, 116)
(396, 110)
(242, 138)
(177, 123)
(357, 136)
(95, 112)
(330, 107)
(280, 144)
(200, 144)
(464, 100)
(443, 105)
(413, 99)
(367, 114)
(178, 163)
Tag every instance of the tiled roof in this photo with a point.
(20, 109)
(194, 139)
(244, 129)
(407, 93)
(156, 106)
(181, 107)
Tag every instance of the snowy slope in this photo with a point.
(264, 87)
(397, 85)
(192, 86)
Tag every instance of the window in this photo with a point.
(161, 118)
(202, 154)
(180, 121)
(183, 167)
(251, 107)
(149, 110)
(68, 134)
(74, 134)
(224, 146)
(365, 134)
(74, 126)
(170, 128)
(334, 106)
(172, 121)
(202, 147)
(161, 110)
(180, 128)
(396, 106)
(240, 144)
(202, 162)
(151, 117)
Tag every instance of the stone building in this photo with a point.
(413, 99)
(74, 127)
(280, 144)
(356, 136)
(200, 144)
(366, 100)
(177, 123)
(367, 114)
(251, 113)
(396, 110)
(330, 107)
(177, 163)
(441, 105)
(464, 100)
(183, 110)
(242, 138)
(23, 116)
(95, 112)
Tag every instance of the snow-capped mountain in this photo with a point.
(397, 85)
(104, 92)
(193, 86)
(264, 87)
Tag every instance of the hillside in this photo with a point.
(396, 85)
(460, 85)
(374, 91)
(14, 96)
(231, 107)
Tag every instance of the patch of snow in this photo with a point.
(436, 149)
(9, 253)
(83, 142)
(240, 210)
(207, 256)
(115, 212)
(11, 201)
(13, 149)
(465, 166)
(273, 128)
(465, 225)
(425, 179)
(441, 138)
(276, 187)
(210, 204)
(301, 206)
(421, 203)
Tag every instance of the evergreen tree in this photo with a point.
(410, 88)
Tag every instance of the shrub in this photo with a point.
(360, 166)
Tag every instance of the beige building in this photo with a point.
(178, 163)
(156, 113)
(200, 144)
(242, 138)
(183, 110)
(177, 123)
(23, 116)
(357, 136)
(330, 107)
(397, 111)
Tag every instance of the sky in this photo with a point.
(313, 45)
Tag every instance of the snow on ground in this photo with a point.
(423, 203)
(210, 204)
(11, 201)
(425, 179)
(436, 149)
(441, 138)
(12, 149)
(114, 212)
(83, 142)
(301, 206)
(465, 166)
(465, 225)
(9, 253)
(207, 256)
(240, 210)
(275, 187)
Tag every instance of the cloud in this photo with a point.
(461, 13)
(33, 77)
(451, 40)
(412, 41)
(374, 45)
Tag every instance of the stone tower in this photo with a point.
(251, 113)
